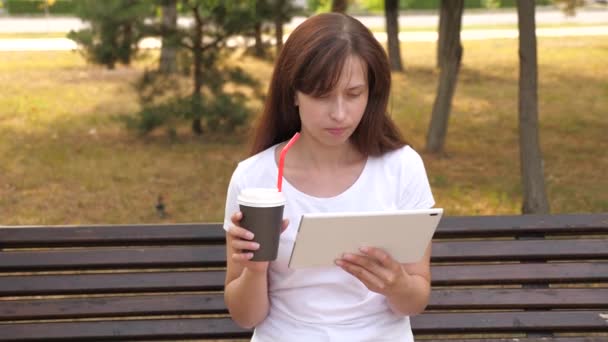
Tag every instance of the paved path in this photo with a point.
(597, 17)
(544, 15)
(61, 44)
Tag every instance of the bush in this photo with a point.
(37, 7)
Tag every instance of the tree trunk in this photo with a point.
(535, 196)
(339, 6)
(127, 42)
(168, 52)
(391, 10)
(278, 29)
(451, 11)
(442, 34)
(197, 53)
(259, 45)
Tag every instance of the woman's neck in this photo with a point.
(308, 154)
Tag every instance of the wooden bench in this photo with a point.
(495, 278)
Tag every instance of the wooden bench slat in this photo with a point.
(118, 306)
(487, 274)
(121, 330)
(427, 323)
(91, 283)
(522, 298)
(99, 235)
(524, 339)
(182, 304)
(450, 226)
(520, 250)
(509, 225)
(215, 255)
(64, 284)
(515, 321)
(136, 257)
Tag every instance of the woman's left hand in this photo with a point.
(376, 269)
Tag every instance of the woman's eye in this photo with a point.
(354, 94)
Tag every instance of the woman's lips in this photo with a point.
(336, 131)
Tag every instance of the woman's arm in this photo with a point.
(412, 297)
(246, 285)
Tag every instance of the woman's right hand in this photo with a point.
(241, 244)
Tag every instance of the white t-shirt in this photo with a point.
(328, 304)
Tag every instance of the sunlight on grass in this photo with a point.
(66, 159)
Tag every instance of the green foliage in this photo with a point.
(165, 101)
(317, 6)
(213, 96)
(116, 27)
(17, 7)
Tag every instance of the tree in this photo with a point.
(451, 19)
(263, 12)
(569, 6)
(277, 12)
(339, 6)
(116, 27)
(391, 11)
(535, 196)
(214, 22)
(168, 52)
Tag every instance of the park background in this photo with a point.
(79, 145)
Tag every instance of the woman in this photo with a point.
(331, 83)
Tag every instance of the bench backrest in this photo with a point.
(499, 276)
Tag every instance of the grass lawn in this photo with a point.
(66, 159)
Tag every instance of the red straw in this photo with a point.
(282, 159)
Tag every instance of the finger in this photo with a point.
(363, 261)
(236, 218)
(374, 266)
(285, 225)
(245, 245)
(240, 232)
(240, 257)
(370, 280)
(381, 257)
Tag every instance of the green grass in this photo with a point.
(66, 159)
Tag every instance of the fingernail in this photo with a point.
(249, 236)
(364, 249)
(339, 262)
(255, 245)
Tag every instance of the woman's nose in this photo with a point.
(338, 112)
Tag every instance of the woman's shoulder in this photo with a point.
(257, 165)
(257, 159)
(403, 155)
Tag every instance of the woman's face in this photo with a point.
(332, 118)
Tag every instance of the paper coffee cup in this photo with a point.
(262, 210)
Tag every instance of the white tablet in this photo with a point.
(324, 237)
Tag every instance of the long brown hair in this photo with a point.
(311, 61)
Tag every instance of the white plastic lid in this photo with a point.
(261, 197)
